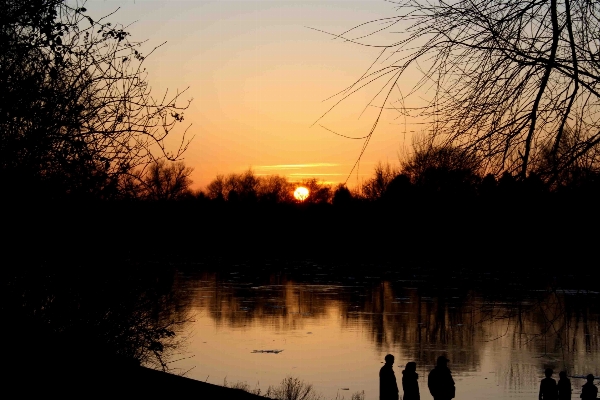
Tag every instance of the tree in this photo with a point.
(275, 189)
(242, 187)
(76, 112)
(341, 196)
(375, 187)
(584, 170)
(216, 188)
(430, 161)
(504, 77)
(249, 188)
(235, 187)
(167, 181)
(318, 192)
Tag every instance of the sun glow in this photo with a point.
(301, 193)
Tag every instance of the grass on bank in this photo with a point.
(290, 388)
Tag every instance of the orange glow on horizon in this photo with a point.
(260, 80)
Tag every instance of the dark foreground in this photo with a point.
(64, 265)
(50, 379)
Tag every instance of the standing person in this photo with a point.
(589, 391)
(564, 386)
(440, 382)
(409, 382)
(548, 389)
(388, 388)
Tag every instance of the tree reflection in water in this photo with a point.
(114, 313)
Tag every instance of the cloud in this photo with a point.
(297, 166)
(310, 174)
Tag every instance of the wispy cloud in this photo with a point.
(292, 180)
(308, 174)
(297, 166)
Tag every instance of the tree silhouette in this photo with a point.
(216, 188)
(504, 78)
(275, 189)
(583, 171)
(341, 196)
(247, 187)
(318, 192)
(76, 111)
(442, 168)
(242, 187)
(167, 181)
(375, 187)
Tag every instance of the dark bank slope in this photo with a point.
(61, 378)
(75, 331)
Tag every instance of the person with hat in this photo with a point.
(440, 382)
(388, 387)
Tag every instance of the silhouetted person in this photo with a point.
(589, 390)
(388, 388)
(548, 388)
(409, 382)
(440, 382)
(564, 386)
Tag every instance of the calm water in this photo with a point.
(333, 329)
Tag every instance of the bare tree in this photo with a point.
(216, 188)
(504, 78)
(275, 189)
(234, 187)
(248, 187)
(342, 195)
(375, 187)
(584, 170)
(428, 156)
(77, 114)
(242, 186)
(318, 192)
(167, 181)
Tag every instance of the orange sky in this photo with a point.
(258, 77)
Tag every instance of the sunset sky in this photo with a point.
(258, 76)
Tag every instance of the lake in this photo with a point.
(331, 326)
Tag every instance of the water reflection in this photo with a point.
(499, 341)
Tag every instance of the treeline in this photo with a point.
(440, 174)
(432, 173)
(437, 173)
(446, 172)
(248, 187)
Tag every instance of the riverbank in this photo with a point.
(142, 382)
(58, 378)
(42, 363)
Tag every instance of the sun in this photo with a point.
(301, 193)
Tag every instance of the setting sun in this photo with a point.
(301, 193)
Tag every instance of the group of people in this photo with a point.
(550, 390)
(441, 385)
(440, 382)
